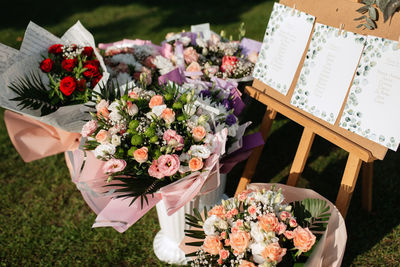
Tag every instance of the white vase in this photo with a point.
(167, 241)
(215, 197)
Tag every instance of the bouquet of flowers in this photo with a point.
(51, 78)
(150, 139)
(257, 228)
(129, 60)
(209, 55)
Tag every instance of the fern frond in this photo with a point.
(32, 94)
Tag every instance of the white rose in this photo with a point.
(256, 232)
(200, 151)
(209, 225)
(256, 250)
(104, 151)
(158, 110)
(114, 106)
(116, 140)
(223, 225)
(115, 116)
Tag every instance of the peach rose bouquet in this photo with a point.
(149, 138)
(257, 228)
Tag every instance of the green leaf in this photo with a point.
(372, 13)
(390, 9)
(312, 213)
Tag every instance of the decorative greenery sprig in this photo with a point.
(370, 13)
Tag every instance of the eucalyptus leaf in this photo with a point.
(360, 18)
(368, 26)
(372, 13)
(369, 2)
(390, 9)
(382, 4)
(363, 9)
(371, 23)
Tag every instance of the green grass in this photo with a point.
(43, 218)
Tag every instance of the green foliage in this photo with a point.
(313, 213)
(370, 13)
(32, 94)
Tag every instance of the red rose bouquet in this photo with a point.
(51, 78)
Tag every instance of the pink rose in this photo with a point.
(268, 222)
(154, 171)
(199, 132)
(284, 215)
(193, 67)
(102, 104)
(89, 128)
(252, 210)
(156, 100)
(239, 241)
(303, 239)
(141, 155)
(190, 55)
(212, 245)
(289, 234)
(103, 137)
(293, 222)
(223, 254)
(114, 165)
(168, 164)
(168, 115)
(133, 94)
(173, 139)
(273, 252)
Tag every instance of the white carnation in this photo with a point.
(104, 151)
(200, 151)
(256, 232)
(257, 249)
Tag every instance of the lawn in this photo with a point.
(43, 218)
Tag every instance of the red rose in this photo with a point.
(228, 63)
(87, 51)
(56, 49)
(93, 62)
(68, 64)
(91, 71)
(81, 84)
(46, 65)
(67, 85)
(95, 81)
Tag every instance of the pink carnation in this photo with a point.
(173, 139)
(114, 165)
(168, 164)
(89, 128)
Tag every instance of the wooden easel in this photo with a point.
(361, 150)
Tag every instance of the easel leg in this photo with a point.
(252, 162)
(367, 175)
(300, 159)
(348, 183)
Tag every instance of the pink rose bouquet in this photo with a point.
(150, 139)
(257, 228)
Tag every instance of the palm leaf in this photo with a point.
(312, 213)
(33, 94)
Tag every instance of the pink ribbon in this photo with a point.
(35, 140)
(116, 212)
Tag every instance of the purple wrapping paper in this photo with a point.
(249, 45)
(250, 142)
(174, 76)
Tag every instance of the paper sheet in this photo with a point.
(285, 41)
(36, 43)
(327, 72)
(372, 109)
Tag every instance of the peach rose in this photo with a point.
(168, 115)
(293, 222)
(273, 252)
(133, 94)
(218, 211)
(281, 228)
(193, 67)
(252, 210)
(102, 104)
(195, 164)
(156, 100)
(103, 113)
(239, 241)
(246, 264)
(199, 132)
(284, 215)
(190, 55)
(268, 222)
(252, 57)
(243, 195)
(223, 254)
(212, 245)
(103, 137)
(140, 154)
(224, 235)
(303, 239)
(289, 234)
